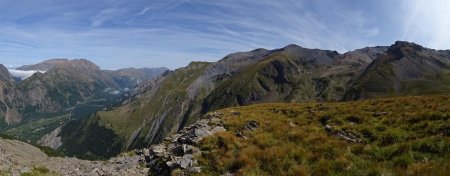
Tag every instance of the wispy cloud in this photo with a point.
(172, 33)
(427, 22)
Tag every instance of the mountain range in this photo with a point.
(63, 87)
(157, 108)
(287, 111)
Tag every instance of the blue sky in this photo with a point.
(171, 33)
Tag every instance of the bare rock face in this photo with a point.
(52, 139)
(12, 116)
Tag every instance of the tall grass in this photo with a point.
(401, 136)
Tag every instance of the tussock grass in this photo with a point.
(401, 136)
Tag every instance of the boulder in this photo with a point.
(252, 125)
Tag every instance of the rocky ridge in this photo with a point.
(17, 158)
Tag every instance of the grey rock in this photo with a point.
(236, 113)
(195, 169)
(343, 135)
(186, 161)
(215, 121)
(218, 129)
(146, 152)
(252, 125)
(159, 150)
(180, 150)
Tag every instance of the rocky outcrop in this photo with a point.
(347, 136)
(178, 151)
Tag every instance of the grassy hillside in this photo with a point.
(394, 136)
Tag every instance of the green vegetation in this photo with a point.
(39, 171)
(4, 173)
(400, 136)
(92, 141)
(33, 131)
(50, 152)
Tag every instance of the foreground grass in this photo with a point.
(401, 136)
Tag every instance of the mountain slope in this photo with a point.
(63, 86)
(137, 121)
(65, 90)
(45, 65)
(157, 108)
(41, 100)
(405, 69)
(8, 115)
(293, 74)
(130, 77)
(5, 75)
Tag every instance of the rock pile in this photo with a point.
(347, 136)
(178, 151)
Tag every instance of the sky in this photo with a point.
(171, 33)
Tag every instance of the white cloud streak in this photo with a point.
(427, 22)
(22, 74)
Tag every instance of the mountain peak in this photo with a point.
(60, 63)
(403, 44)
(4, 73)
(292, 46)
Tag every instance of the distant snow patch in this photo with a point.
(114, 92)
(107, 89)
(22, 74)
